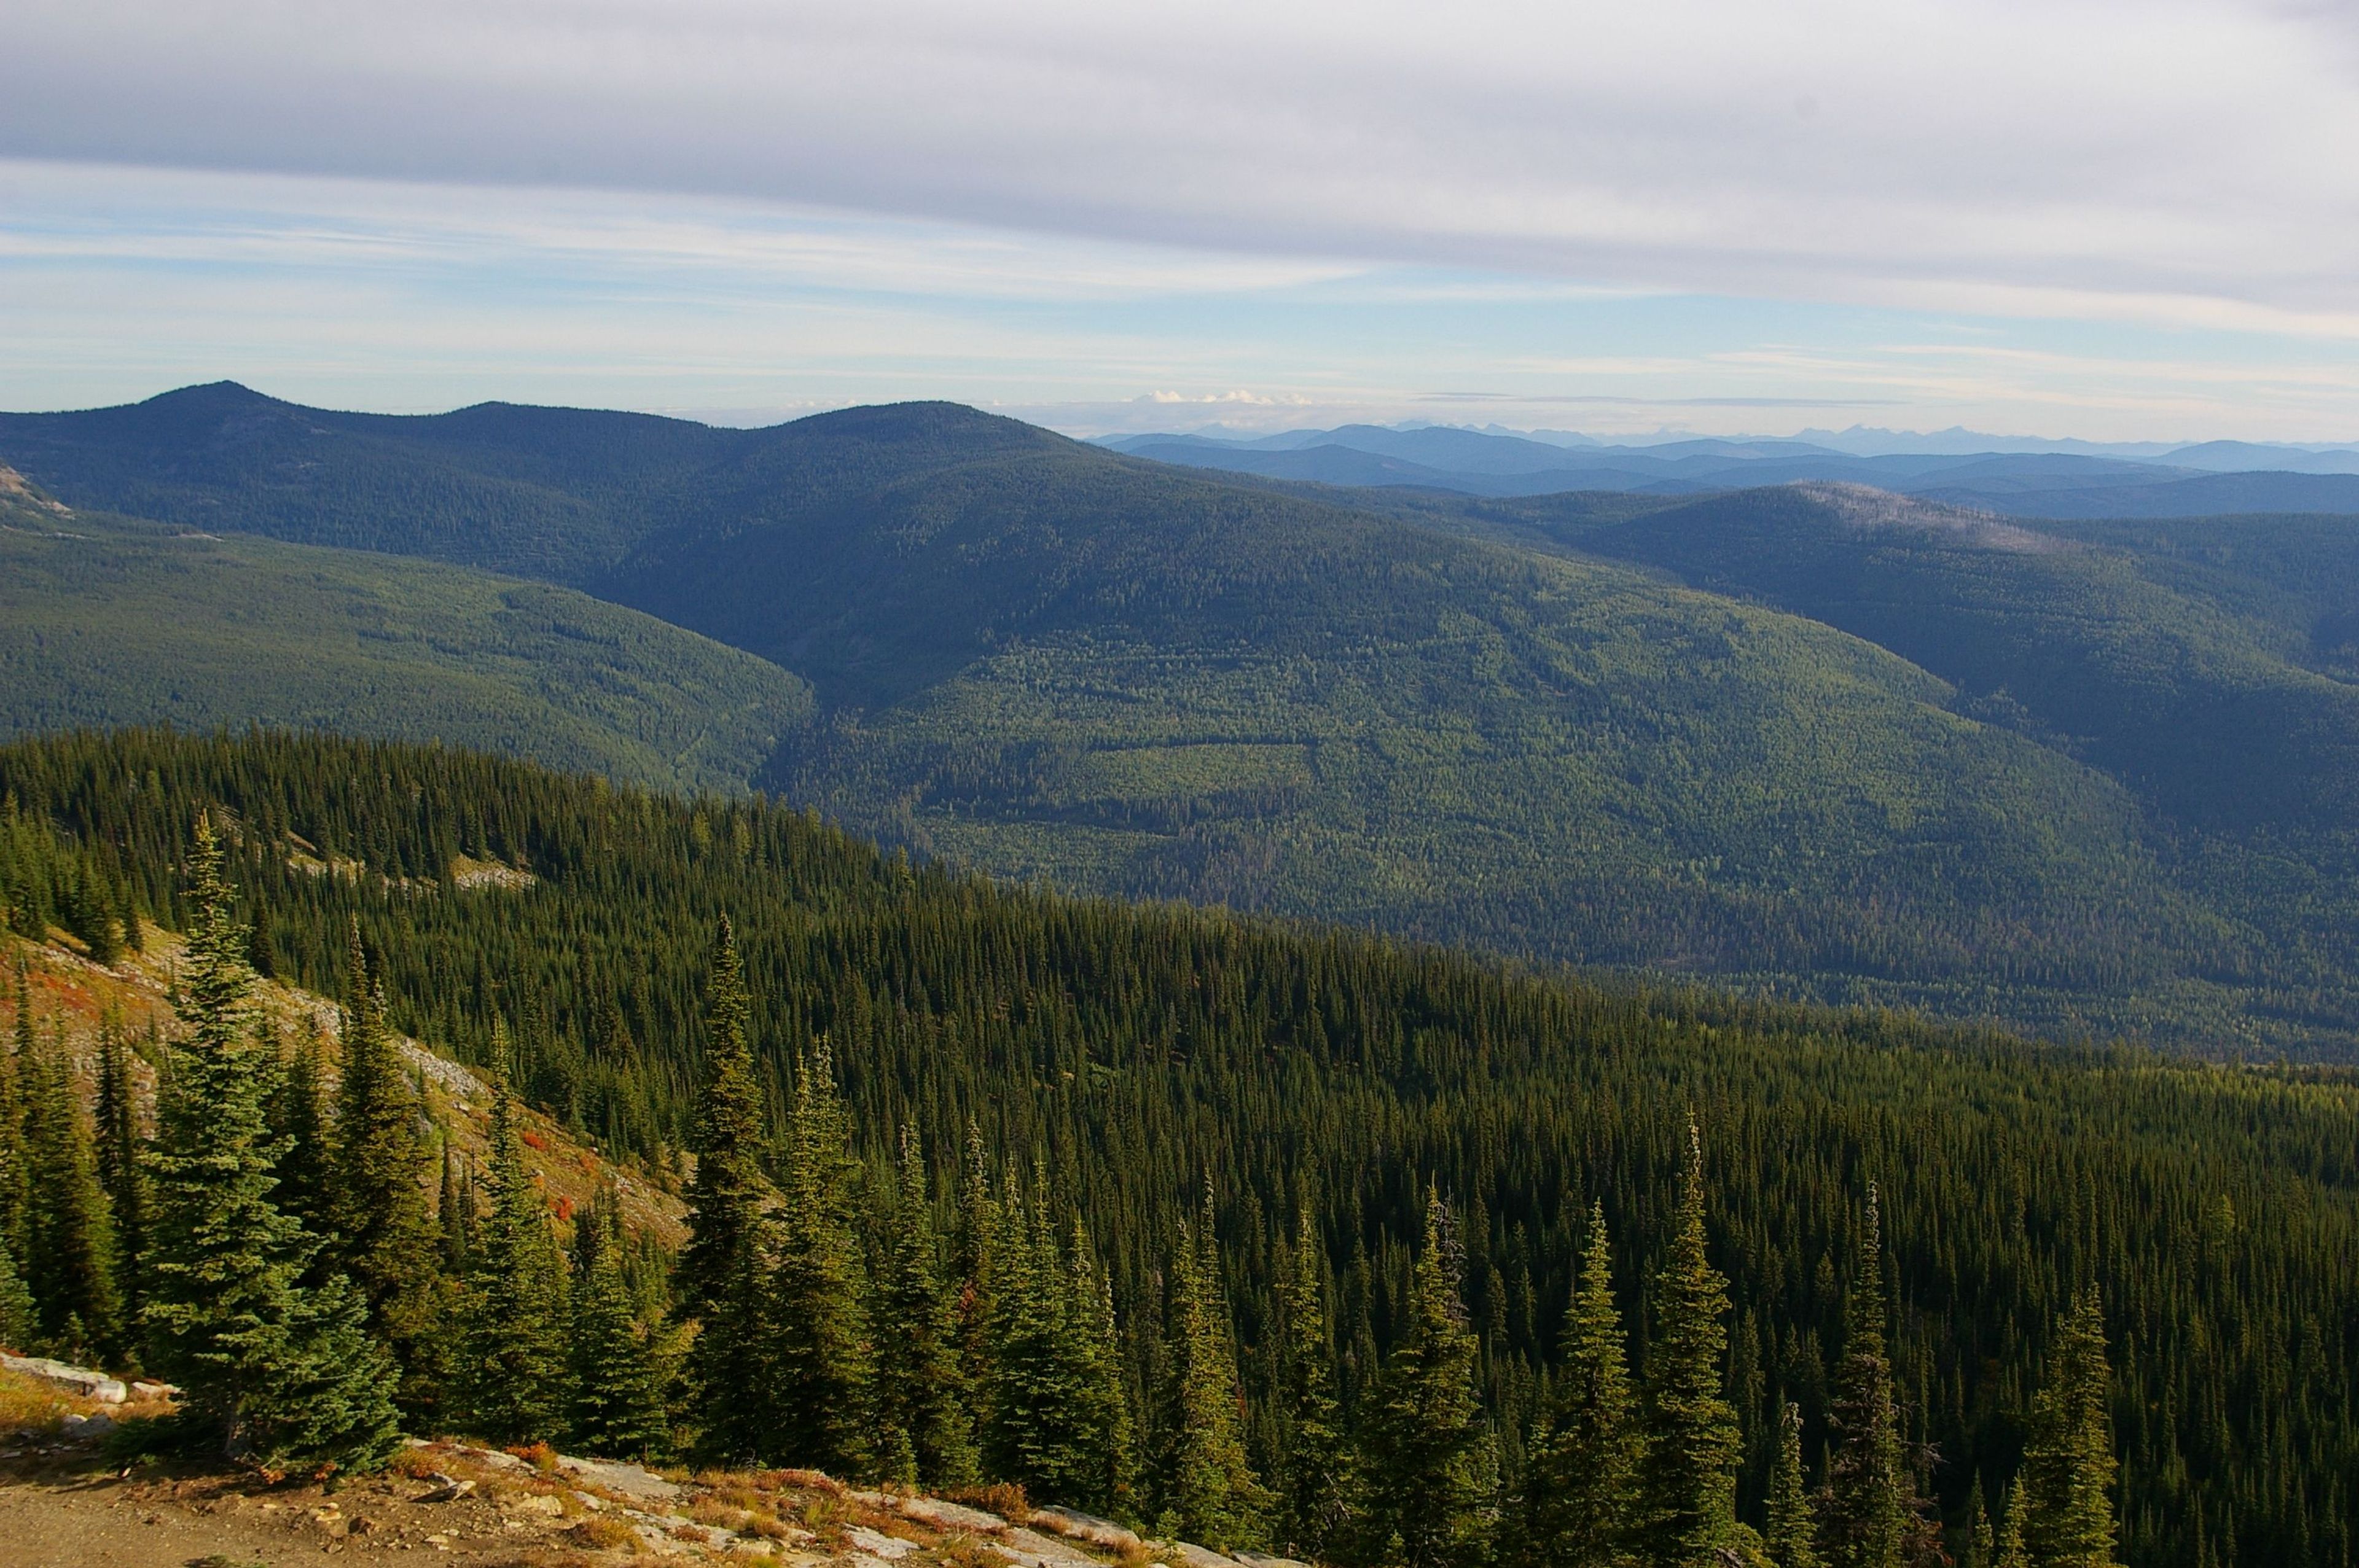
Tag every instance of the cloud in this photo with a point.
(2187, 158)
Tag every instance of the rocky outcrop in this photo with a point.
(78, 1381)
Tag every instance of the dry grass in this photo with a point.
(29, 1404)
(600, 1533)
(1005, 1499)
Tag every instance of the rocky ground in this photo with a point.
(65, 1504)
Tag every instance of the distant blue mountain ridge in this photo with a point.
(2203, 480)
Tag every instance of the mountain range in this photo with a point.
(2201, 479)
(2084, 777)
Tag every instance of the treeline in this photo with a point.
(1119, 1061)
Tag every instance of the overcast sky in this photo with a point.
(2075, 217)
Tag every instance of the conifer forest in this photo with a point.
(1261, 1236)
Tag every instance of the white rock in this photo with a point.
(633, 1481)
(944, 1515)
(876, 1544)
(1075, 1525)
(78, 1381)
(1201, 1556)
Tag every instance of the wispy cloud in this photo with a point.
(2184, 157)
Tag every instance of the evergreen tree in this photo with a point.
(1689, 1495)
(1047, 1423)
(1870, 1502)
(286, 1376)
(1108, 1436)
(15, 1198)
(299, 1118)
(2068, 1465)
(454, 1214)
(20, 1326)
(1426, 1475)
(2008, 1551)
(1311, 1434)
(1585, 1464)
(1791, 1537)
(120, 1174)
(921, 1398)
(721, 1274)
(1210, 1492)
(377, 1189)
(822, 1362)
(1982, 1544)
(617, 1390)
(510, 1370)
(70, 1236)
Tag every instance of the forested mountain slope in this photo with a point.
(1044, 659)
(2203, 665)
(1120, 1061)
(106, 620)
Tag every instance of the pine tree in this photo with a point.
(822, 1369)
(1982, 1544)
(20, 1326)
(1426, 1475)
(1870, 1502)
(509, 1374)
(298, 1118)
(284, 1375)
(1584, 1463)
(1690, 1488)
(120, 1173)
(721, 1273)
(1210, 1493)
(617, 1390)
(2068, 1465)
(1108, 1435)
(1311, 1435)
(921, 1399)
(2008, 1551)
(15, 1198)
(1052, 1420)
(454, 1214)
(376, 1191)
(70, 1235)
(1792, 1535)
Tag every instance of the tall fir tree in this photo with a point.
(454, 1214)
(120, 1173)
(1791, 1538)
(617, 1409)
(509, 1374)
(1109, 1437)
(1981, 1540)
(2069, 1467)
(1870, 1504)
(15, 1198)
(1585, 1464)
(19, 1323)
(2007, 1551)
(1310, 1502)
(1689, 1493)
(299, 1117)
(70, 1233)
(286, 1376)
(1044, 1375)
(377, 1189)
(1426, 1474)
(924, 1435)
(720, 1278)
(821, 1361)
(1210, 1493)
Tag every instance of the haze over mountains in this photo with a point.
(2081, 778)
(2061, 480)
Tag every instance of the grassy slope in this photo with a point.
(106, 621)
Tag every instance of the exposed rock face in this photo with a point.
(1075, 1525)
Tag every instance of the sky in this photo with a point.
(2112, 221)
